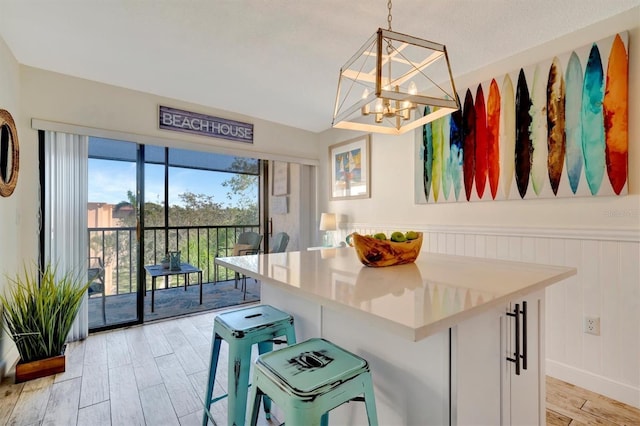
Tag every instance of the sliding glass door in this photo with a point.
(112, 222)
(192, 202)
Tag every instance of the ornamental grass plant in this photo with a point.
(39, 310)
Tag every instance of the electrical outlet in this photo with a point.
(592, 325)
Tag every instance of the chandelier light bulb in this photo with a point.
(379, 105)
(379, 110)
(406, 110)
(365, 107)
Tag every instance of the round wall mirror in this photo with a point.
(9, 154)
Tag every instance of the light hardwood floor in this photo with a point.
(156, 375)
(570, 405)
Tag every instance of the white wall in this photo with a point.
(9, 206)
(592, 363)
(65, 99)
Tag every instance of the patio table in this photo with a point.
(156, 271)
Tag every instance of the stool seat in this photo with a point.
(248, 322)
(241, 329)
(309, 379)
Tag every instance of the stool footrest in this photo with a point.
(213, 400)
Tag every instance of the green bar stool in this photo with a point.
(241, 329)
(309, 379)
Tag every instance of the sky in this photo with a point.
(109, 182)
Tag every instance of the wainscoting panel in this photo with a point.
(607, 286)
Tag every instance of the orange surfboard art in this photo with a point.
(493, 136)
(616, 111)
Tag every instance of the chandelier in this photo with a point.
(394, 83)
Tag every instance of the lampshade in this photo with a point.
(393, 84)
(328, 222)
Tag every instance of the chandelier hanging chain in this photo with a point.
(389, 46)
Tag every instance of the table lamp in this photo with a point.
(328, 224)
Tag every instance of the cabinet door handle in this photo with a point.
(524, 335)
(516, 355)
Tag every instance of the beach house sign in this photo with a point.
(204, 125)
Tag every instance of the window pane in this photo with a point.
(200, 197)
(112, 149)
(214, 162)
(154, 194)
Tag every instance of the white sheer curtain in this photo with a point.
(65, 210)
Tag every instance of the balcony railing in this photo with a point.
(199, 246)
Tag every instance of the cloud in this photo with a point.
(110, 182)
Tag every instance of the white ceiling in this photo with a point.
(276, 60)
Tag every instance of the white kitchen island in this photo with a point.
(437, 333)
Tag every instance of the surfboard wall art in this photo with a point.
(558, 128)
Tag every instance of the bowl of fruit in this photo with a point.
(378, 250)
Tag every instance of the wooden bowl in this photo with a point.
(374, 252)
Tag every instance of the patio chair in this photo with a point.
(248, 243)
(95, 276)
(280, 242)
(279, 245)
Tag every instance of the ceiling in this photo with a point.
(276, 60)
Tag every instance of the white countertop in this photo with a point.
(415, 300)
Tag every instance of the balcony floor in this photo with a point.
(171, 302)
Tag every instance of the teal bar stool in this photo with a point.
(309, 379)
(242, 329)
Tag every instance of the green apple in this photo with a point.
(380, 236)
(398, 237)
(411, 235)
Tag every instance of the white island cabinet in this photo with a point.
(482, 371)
(437, 333)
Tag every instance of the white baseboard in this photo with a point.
(604, 386)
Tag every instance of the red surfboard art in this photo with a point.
(481, 142)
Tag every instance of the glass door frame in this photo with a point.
(140, 200)
(139, 241)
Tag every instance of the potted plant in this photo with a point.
(38, 313)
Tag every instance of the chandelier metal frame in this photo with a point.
(385, 87)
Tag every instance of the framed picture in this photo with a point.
(280, 178)
(350, 169)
